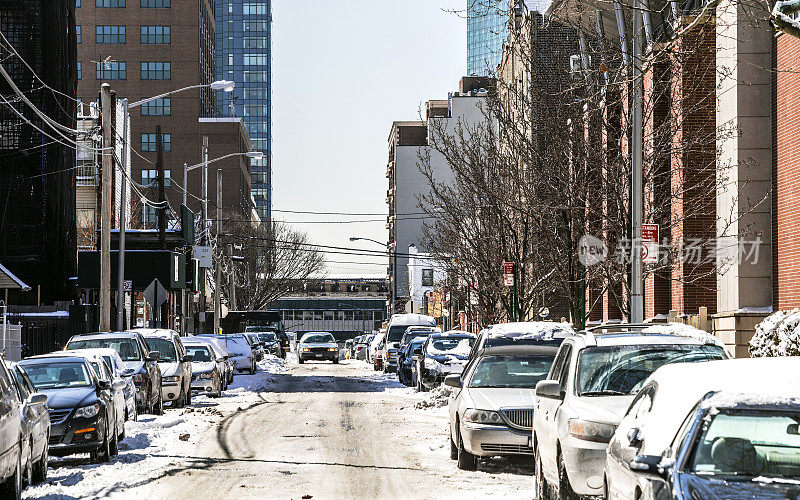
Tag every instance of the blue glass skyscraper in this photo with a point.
(244, 55)
(487, 29)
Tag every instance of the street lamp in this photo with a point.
(224, 85)
(255, 155)
(393, 251)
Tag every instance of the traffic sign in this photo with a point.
(127, 286)
(650, 243)
(155, 294)
(508, 273)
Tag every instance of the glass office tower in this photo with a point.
(487, 29)
(244, 55)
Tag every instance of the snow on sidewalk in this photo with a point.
(154, 446)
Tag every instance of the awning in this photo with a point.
(11, 282)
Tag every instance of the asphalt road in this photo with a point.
(318, 429)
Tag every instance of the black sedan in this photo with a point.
(80, 404)
(442, 354)
(406, 358)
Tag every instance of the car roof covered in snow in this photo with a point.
(519, 350)
(456, 334)
(106, 335)
(681, 386)
(531, 330)
(411, 320)
(156, 332)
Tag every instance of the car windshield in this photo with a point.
(749, 443)
(317, 338)
(126, 347)
(199, 354)
(621, 370)
(266, 337)
(59, 374)
(457, 345)
(396, 333)
(165, 348)
(510, 371)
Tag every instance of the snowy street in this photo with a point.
(291, 431)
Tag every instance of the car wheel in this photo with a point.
(158, 409)
(189, 396)
(103, 453)
(565, 491)
(336, 361)
(27, 477)
(40, 466)
(466, 460)
(540, 486)
(12, 487)
(113, 446)
(300, 360)
(453, 448)
(181, 401)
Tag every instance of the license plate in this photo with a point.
(318, 355)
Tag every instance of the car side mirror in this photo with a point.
(653, 464)
(452, 380)
(128, 372)
(103, 384)
(634, 437)
(187, 359)
(550, 389)
(219, 360)
(153, 356)
(37, 399)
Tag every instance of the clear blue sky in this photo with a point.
(343, 70)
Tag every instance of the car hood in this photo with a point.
(606, 409)
(694, 486)
(169, 369)
(203, 367)
(69, 397)
(319, 344)
(494, 399)
(133, 365)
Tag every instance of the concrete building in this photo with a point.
(407, 141)
(424, 277)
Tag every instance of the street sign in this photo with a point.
(155, 294)
(203, 255)
(650, 243)
(127, 286)
(544, 312)
(508, 273)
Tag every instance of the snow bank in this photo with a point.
(777, 335)
(683, 330)
(437, 398)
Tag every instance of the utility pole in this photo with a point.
(123, 214)
(218, 276)
(232, 292)
(162, 210)
(105, 210)
(637, 297)
(203, 233)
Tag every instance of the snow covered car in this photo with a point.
(121, 376)
(175, 365)
(255, 345)
(35, 421)
(137, 356)
(207, 368)
(406, 359)
(596, 375)
(221, 352)
(361, 345)
(398, 324)
(530, 332)
(318, 346)
(491, 409)
(81, 405)
(442, 354)
(657, 429)
(237, 345)
(373, 346)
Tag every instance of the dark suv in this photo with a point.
(136, 355)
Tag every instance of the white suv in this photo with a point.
(593, 380)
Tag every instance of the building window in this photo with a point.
(150, 177)
(255, 76)
(255, 110)
(156, 70)
(86, 174)
(256, 59)
(111, 70)
(157, 107)
(77, 3)
(149, 142)
(78, 31)
(254, 42)
(254, 8)
(80, 73)
(110, 3)
(109, 34)
(427, 277)
(154, 4)
(157, 35)
(255, 25)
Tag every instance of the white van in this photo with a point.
(394, 333)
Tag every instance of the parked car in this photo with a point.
(243, 358)
(317, 346)
(11, 429)
(398, 324)
(595, 377)
(373, 344)
(361, 347)
(120, 375)
(406, 358)
(283, 337)
(530, 332)
(81, 405)
(442, 354)
(35, 421)
(116, 386)
(367, 343)
(255, 344)
(207, 368)
(349, 348)
(175, 365)
(221, 352)
(271, 343)
(137, 356)
(649, 455)
(413, 332)
(377, 350)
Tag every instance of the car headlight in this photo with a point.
(206, 375)
(306, 349)
(172, 380)
(332, 349)
(587, 430)
(482, 417)
(87, 411)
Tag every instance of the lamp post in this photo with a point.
(393, 252)
(224, 85)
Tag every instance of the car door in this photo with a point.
(10, 422)
(153, 371)
(622, 480)
(40, 420)
(545, 425)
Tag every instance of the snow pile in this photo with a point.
(437, 398)
(683, 330)
(777, 335)
(532, 330)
